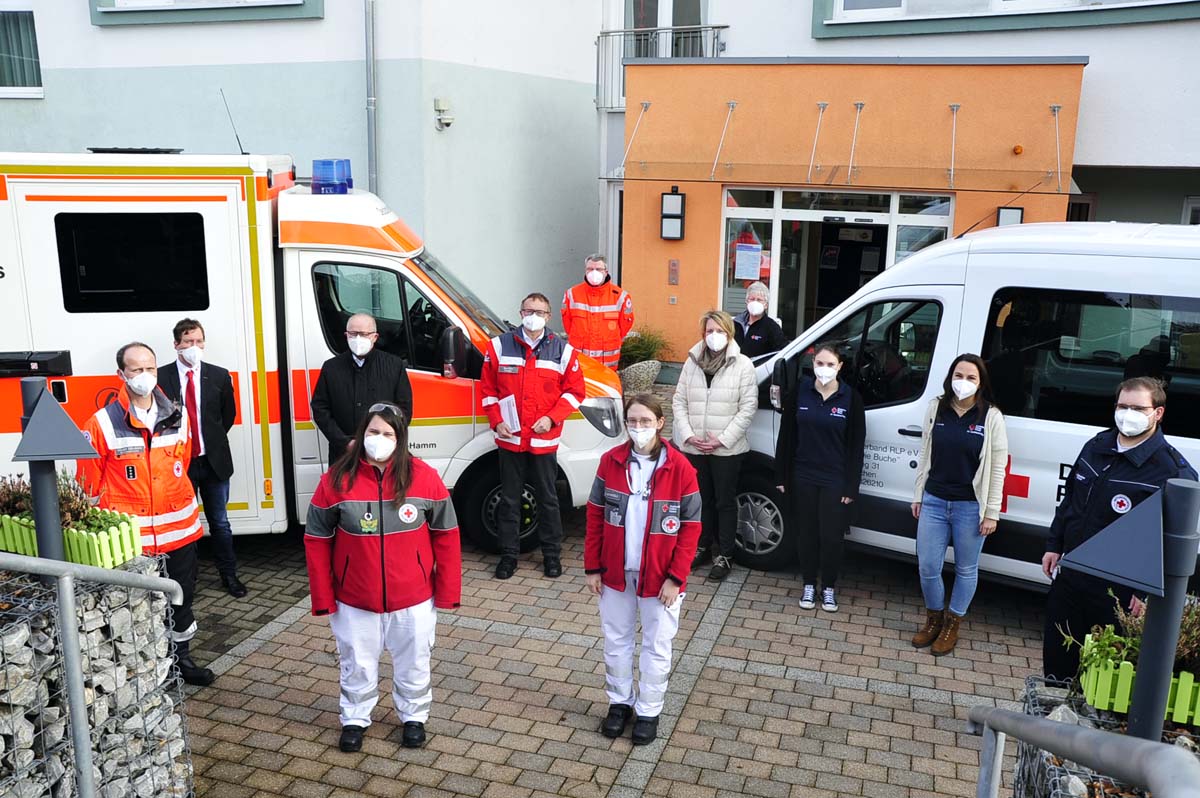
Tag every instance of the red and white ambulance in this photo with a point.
(99, 250)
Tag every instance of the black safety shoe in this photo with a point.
(414, 734)
(506, 568)
(721, 568)
(645, 730)
(193, 673)
(613, 726)
(351, 739)
(234, 587)
(552, 567)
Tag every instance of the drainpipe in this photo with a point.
(372, 147)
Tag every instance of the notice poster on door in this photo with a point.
(829, 256)
(870, 259)
(747, 259)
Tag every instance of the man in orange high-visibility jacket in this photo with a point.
(145, 447)
(597, 314)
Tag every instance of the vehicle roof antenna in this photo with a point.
(989, 213)
(241, 149)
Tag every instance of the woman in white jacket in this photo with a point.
(713, 406)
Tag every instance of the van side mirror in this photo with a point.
(454, 353)
(781, 382)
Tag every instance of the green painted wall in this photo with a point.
(1138, 195)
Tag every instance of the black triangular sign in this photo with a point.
(1129, 551)
(52, 435)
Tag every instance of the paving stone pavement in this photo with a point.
(765, 699)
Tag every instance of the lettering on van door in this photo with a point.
(878, 455)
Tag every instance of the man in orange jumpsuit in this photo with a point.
(597, 314)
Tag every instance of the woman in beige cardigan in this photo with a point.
(713, 406)
(960, 485)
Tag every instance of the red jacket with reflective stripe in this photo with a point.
(543, 381)
(365, 551)
(144, 472)
(672, 523)
(597, 318)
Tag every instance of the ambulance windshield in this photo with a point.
(474, 307)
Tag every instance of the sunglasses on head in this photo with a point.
(380, 407)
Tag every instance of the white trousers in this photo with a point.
(618, 618)
(361, 637)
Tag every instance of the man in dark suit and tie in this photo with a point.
(205, 391)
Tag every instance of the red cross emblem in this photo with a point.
(670, 525)
(1014, 485)
(1121, 503)
(408, 513)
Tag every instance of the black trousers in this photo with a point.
(1076, 603)
(718, 478)
(181, 565)
(822, 521)
(540, 471)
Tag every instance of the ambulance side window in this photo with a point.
(1060, 355)
(116, 262)
(887, 348)
(409, 325)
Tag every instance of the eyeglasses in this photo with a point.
(640, 423)
(1140, 408)
(379, 407)
(357, 334)
(545, 314)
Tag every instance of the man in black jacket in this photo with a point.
(205, 392)
(757, 333)
(1115, 472)
(353, 381)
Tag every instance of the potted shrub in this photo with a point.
(1108, 665)
(639, 364)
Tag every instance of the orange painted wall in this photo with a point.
(903, 143)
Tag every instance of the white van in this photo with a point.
(1061, 313)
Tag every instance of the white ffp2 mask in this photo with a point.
(756, 308)
(533, 323)
(824, 374)
(379, 447)
(642, 436)
(143, 384)
(1131, 423)
(716, 341)
(361, 346)
(963, 389)
(192, 355)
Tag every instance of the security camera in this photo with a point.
(444, 121)
(442, 118)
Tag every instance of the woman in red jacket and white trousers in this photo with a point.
(643, 524)
(383, 552)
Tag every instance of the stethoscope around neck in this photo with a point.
(644, 491)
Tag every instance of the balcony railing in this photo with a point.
(614, 46)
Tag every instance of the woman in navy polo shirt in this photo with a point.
(959, 488)
(819, 459)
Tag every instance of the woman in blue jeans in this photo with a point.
(959, 489)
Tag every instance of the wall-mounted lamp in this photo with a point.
(442, 118)
(1009, 216)
(672, 215)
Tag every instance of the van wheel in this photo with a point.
(477, 503)
(761, 537)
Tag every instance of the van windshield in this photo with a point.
(474, 307)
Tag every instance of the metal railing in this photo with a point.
(614, 46)
(1167, 771)
(73, 648)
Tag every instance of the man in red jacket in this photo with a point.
(597, 314)
(531, 383)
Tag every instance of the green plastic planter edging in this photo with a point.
(113, 547)
(1109, 687)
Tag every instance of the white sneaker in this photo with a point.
(828, 602)
(809, 600)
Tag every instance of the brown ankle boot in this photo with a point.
(949, 637)
(929, 632)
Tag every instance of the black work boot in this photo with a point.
(351, 740)
(189, 670)
(613, 725)
(414, 734)
(645, 730)
(506, 567)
